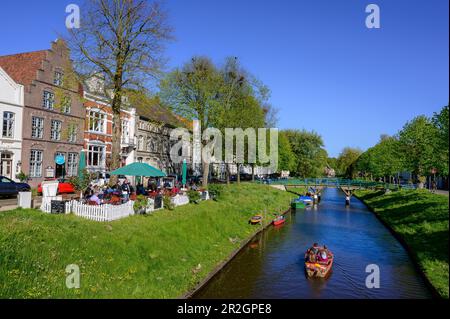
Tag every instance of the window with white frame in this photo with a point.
(36, 163)
(37, 127)
(72, 134)
(8, 124)
(97, 122)
(56, 130)
(48, 100)
(95, 155)
(58, 78)
(66, 104)
(72, 164)
(125, 132)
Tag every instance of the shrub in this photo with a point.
(194, 196)
(83, 182)
(140, 203)
(215, 191)
(167, 202)
(22, 177)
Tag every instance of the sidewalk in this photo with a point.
(8, 204)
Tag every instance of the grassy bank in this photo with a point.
(157, 256)
(421, 220)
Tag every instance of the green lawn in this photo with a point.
(421, 219)
(163, 255)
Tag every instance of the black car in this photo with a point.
(10, 187)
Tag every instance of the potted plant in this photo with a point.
(22, 177)
(167, 202)
(80, 184)
(140, 205)
(194, 196)
(214, 191)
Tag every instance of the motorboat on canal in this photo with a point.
(315, 267)
(279, 220)
(306, 200)
(257, 219)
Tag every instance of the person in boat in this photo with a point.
(312, 253)
(322, 257)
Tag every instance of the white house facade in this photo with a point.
(11, 112)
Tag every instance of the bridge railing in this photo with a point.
(336, 182)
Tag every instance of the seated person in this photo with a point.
(322, 257)
(88, 192)
(95, 199)
(140, 190)
(312, 253)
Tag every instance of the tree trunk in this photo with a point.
(253, 172)
(205, 174)
(227, 172)
(116, 149)
(238, 173)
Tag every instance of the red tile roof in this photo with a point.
(23, 67)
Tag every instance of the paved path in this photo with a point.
(10, 203)
(442, 192)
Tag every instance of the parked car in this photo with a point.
(64, 187)
(9, 187)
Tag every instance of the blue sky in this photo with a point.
(326, 70)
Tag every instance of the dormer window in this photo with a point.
(58, 78)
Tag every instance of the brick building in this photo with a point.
(53, 116)
(154, 125)
(99, 128)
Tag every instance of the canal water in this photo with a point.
(271, 266)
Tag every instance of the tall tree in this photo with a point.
(441, 121)
(244, 104)
(418, 140)
(123, 39)
(346, 161)
(286, 157)
(193, 91)
(308, 149)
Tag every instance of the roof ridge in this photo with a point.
(22, 53)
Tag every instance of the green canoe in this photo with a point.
(297, 204)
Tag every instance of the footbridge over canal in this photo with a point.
(348, 186)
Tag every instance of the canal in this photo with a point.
(271, 266)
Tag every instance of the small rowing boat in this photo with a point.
(279, 220)
(315, 265)
(257, 219)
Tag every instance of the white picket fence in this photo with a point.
(103, 213)
(180, 200)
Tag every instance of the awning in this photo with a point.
(139, 169)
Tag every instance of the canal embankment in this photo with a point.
(162, 255)
(420, 220)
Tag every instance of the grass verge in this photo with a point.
(421, 220)
(162, 255)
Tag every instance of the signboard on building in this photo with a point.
(60, 160)
(50, 172)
